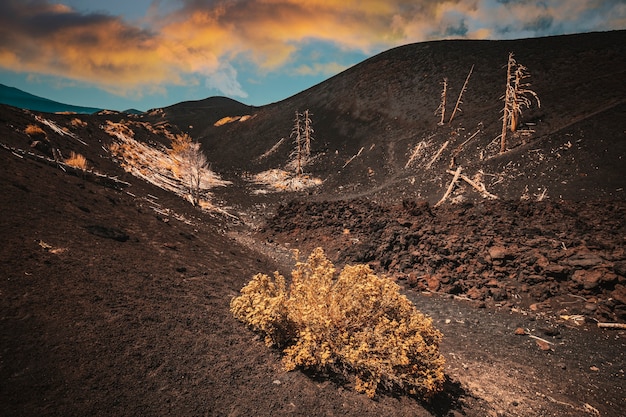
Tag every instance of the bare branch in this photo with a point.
(477, 185)
(457, 173)
(458, 102)
(441, 110)
(432, 161)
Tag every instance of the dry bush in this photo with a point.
(355, 325)
(180, 144)
(76, 122)
(76, 160)
(34, 130)
(226, 120)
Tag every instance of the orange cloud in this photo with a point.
(54, 40)
(202, 39)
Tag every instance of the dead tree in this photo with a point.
(298, 152)
(302, 136)
(308, 133)
(517, 96)
(197, 164)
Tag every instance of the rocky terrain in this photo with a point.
(533, 256)
(115, 289)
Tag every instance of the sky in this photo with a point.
(144, 54)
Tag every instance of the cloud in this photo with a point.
(317, 68)
(203, 39)
(43, 38)
(225, 81)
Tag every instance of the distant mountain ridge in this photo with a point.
(18, 98)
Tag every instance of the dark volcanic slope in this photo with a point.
(385, 107)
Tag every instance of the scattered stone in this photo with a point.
(498, 294)
(474, 293)
(545, 346)
(584, 260)
(432, 282)
(556, 271)
(587, 279)
(590, 307)
(520, 332)
(620, 268)
(493, 283)
(550, 331)
(619, 293)
(497, 253)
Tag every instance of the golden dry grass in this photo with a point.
(77, 160)
(34, 130)
(76, 122)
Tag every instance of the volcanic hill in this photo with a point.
(116, 289)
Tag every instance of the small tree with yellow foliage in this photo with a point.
(194, 163)
(356, 325)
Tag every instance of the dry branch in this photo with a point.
(353, 156)
(540, 339)
(468, 139)
(432, 161)
(302, 133)
(458, 102)
(272, 149)
(459, 148)
(417, 150)
(297, 154)
(621, 326)
(456, 173)
(441, 110)
(478, 186)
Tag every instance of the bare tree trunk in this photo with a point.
(458, 102)
(442, 105)
(507, 103)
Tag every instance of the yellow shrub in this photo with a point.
(34, 130)
(180, 144)
(76, 122)
(76, 160)
(354, 324)
(263, 306)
